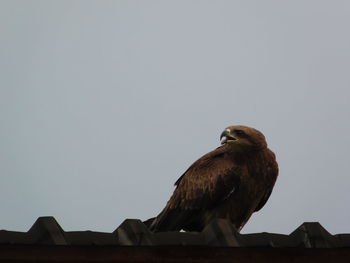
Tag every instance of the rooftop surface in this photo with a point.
(46, 241)
(132, 232)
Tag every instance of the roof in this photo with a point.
(46, 241)
(132, 232)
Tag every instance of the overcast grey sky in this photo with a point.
(104, 104)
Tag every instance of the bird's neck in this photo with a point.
(246, 156)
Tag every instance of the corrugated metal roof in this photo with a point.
(132, 232)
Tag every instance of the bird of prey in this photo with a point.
(231, 182)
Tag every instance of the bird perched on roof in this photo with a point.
(231, 182)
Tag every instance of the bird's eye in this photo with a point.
(239, 132)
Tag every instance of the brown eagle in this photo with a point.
(231, 182)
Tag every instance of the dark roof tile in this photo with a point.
(90, 238)
(47, 231)
(220, 233)
(313, 235)
(132, 232)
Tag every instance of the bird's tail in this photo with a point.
(149, 222)
(163, 222)
(174, 220)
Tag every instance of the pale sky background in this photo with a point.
(104, 104)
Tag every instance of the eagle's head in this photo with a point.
(243, 138)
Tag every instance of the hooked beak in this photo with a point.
(226, 136)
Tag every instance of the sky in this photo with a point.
(104, 104)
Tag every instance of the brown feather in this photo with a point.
(230, 182)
